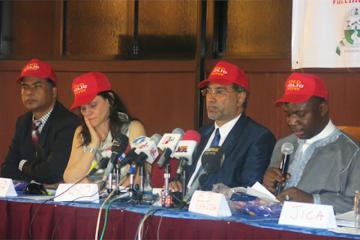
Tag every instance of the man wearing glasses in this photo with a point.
(246, 145)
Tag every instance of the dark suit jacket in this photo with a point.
(247, 149)
(53, 151)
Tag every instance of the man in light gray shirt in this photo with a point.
(325, 165)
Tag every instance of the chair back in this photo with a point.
(352, 131)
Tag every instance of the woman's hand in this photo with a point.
(95, 139)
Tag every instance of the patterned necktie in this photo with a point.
(35, 132)
(215, 142)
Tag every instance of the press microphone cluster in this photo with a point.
(286, 149)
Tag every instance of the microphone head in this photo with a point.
(212, 159)
(146, 148)
(103, 162)
(178, 131)
(156, 138)
(287, 148)
(187, 146)
(119, 143)
(170, 140)
(192, 135)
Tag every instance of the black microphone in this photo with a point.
(211, 161)
(286, 149)
(119, 144)
(129, 158)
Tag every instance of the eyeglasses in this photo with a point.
(215, 91)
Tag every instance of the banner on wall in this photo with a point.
(325, 34)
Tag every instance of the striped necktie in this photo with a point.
(35, 132)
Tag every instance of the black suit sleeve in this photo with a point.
(9, 168)
(51, 168)
(257, 160)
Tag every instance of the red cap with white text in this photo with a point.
(226, 73)
(87, 86)
(300, 87)
(39, 69)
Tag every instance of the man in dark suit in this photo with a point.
(41, 146)
(247, 146)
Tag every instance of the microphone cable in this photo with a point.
(50, 199)
(100, 211)
(107, 212)
(67, 204)
(140, 229)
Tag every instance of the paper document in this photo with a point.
(346, 219)
(258, 190)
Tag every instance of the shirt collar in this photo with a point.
(43, 119)
(226, 128)
(328, 129)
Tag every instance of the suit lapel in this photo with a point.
(235, 135)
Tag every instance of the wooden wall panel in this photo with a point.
(160, 93)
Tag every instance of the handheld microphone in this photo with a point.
(168, 144)
(185, 149)
(120, 142)
(286, 149)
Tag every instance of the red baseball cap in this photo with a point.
(37, 68)
(226, 73)
(300, 87)
(87, 86)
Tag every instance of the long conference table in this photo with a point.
(64, 220)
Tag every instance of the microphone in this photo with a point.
(168, 144)
(146, 148)
(211, 161)
(99, 165)
(286, 149)
(143, 148)
(119, 144)
(185, 149)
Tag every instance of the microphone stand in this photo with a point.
(131, 184)
(141, 170)
(166, 199)
(117, 178)
(109, 185)
(183, 184)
